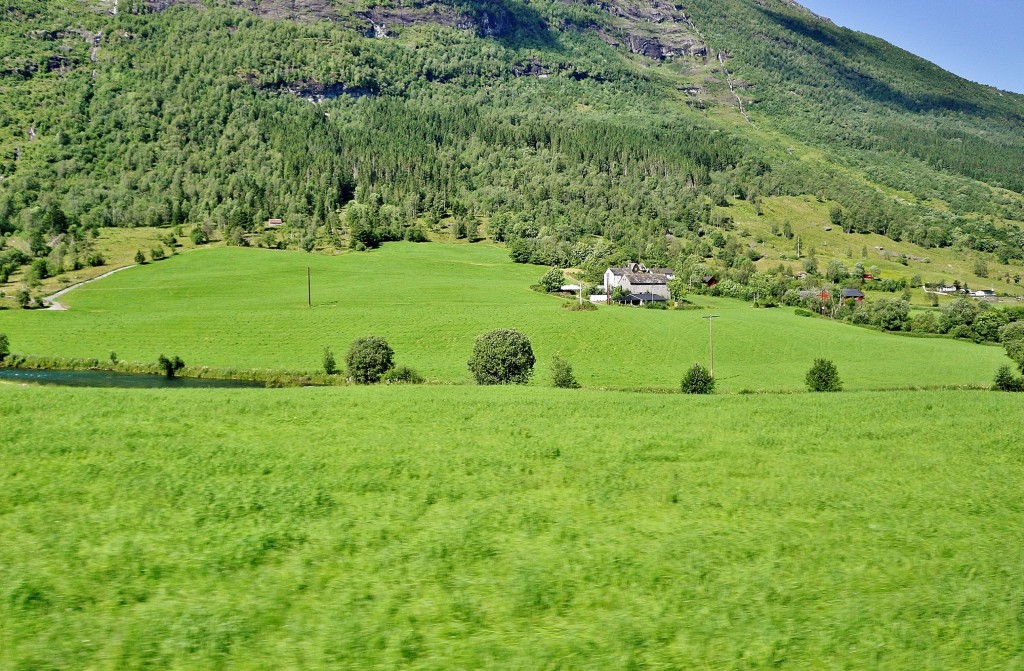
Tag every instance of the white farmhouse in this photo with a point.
(636, 278)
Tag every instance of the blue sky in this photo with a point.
(980, 40)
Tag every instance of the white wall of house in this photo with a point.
(611, 280)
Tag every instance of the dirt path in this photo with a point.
(52, 304)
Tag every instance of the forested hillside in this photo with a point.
(579, 133)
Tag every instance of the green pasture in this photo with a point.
(117, 246)
(809, 218)
(509, 528)
(246, 308)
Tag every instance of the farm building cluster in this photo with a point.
(636, 284)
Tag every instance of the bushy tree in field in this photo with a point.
(1015, 350)
(502, 356)
(171, 366)
(961, 312)
(402, 375)
(561, 374)
(988, 323)
(836, 271)
(697, 380)
(823, 376)
(925, 322)
(890, 314)
(980, 267)
(553, 280)
(5, 346)
(1012, 331)
(1006, 381)
(330, 365)
(140, 258)
(965, 332)
(369, 358)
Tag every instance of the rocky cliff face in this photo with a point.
(653, 28)
(663, 48)
(485, 23)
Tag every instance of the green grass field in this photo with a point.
(809, 218)
(117, 246)
(509, 528)
(246, 308)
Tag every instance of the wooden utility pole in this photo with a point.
(309, 289)
(711, 336)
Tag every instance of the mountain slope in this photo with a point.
(580, 133)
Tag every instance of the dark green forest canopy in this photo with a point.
(560, 128)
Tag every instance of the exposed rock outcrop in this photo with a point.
(23, 67)
(381, 19)
(529, 69)
(315, 92)
(655, 30)
(378, 20)
(653, 47)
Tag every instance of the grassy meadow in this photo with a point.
(246, 308)
(509, 528)
(809, 219)
(117, 246)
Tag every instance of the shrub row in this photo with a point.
(501, 356)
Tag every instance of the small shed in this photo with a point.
(275, 223)
(855, 294)
(640, 299)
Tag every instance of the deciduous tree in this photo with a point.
(502, 356)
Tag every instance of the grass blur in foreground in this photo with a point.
(502, 528)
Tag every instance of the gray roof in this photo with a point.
(641, 269)
(646, 278)
(853, 293)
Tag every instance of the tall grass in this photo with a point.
(460, 527)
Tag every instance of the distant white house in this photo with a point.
(636, 278)
(984, 293)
